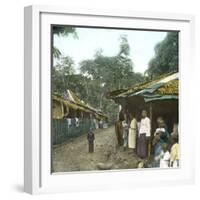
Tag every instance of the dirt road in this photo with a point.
(73, 155)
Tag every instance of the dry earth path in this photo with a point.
(73, 155)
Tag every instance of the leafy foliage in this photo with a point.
(56, 53)
(60, 73)
(166, 56)
(64, 31)
(110, 73)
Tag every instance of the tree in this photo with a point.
(60, 73)
(56, 53)
(124, 50)
(98, 76)
(109, 73)
(166, 56)
(64, 31)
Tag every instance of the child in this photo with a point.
(162, 130)
(91, 138)
(157, 150)
(164, 156)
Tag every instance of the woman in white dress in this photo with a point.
(132, 133)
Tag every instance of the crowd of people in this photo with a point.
(161, 145)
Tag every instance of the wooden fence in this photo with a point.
(63, 129)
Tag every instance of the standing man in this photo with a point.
(119, 129)
(144, 135)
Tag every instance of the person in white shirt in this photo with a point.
(164, 156)
(144, 135)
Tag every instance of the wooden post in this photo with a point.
(151, 119)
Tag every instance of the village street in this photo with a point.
(73, 155)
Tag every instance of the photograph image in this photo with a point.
(114, 99)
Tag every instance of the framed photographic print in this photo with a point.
(107, 99)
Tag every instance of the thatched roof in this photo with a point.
(72, 101)
(169, 88)
(164, 85)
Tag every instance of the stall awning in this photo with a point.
(164, 87)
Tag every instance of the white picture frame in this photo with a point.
(37, 158)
